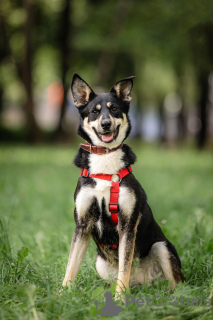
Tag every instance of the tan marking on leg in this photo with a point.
(79, 246)
(156, 264)
(161, 254)
(125, 264)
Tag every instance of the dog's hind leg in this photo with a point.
(168, 263)
(79, 245)
(162, 262)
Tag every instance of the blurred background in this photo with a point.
(168, 45)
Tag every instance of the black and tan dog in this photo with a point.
(110, 204)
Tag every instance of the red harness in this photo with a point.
(114, 193)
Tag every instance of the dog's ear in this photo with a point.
(123, 89)
(81, 91)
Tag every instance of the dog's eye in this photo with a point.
(95, 111)
(114, 109)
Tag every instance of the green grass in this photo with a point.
(36, 227)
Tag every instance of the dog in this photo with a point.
(110, 204)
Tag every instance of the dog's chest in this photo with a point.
(109, 163)
(106, 164)
(100, 193)
(92, 203)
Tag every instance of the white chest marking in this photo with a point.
(101, 191)
(87, 195)
(127, 201)
(109, 163)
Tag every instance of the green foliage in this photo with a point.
(143, 31)
(36, 226)
(5, 250)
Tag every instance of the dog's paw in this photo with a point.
(120, 294)
(66, 282)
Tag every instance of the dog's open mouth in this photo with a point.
(108, 136)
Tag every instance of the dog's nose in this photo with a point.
(106, 124)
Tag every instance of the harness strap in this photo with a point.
(113, 204)
(122, 173)
(113, 246)
(114, 193)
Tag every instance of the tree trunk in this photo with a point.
(202, 110)
(63, 43)
(24, 68)
(203, 62)
(1, 100)
(32, 128)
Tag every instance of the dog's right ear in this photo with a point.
(81, 91)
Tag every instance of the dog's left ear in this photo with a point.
(123, 89)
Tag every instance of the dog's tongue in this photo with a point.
(107, 137)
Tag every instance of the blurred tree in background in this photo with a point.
(168, 45)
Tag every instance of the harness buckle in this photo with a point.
(114, 204)
(82, 173)
(129, 170)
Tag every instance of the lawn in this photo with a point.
(36, 227)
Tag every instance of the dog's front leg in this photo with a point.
(79, 245)
(126, 252)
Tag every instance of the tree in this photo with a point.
(64, 41)
(24, 65)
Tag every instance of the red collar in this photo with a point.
(98, 150)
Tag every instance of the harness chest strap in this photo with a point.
(114, 191)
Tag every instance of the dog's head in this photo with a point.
(104, 117)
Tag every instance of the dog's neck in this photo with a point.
(109, 163)
(98, 150)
